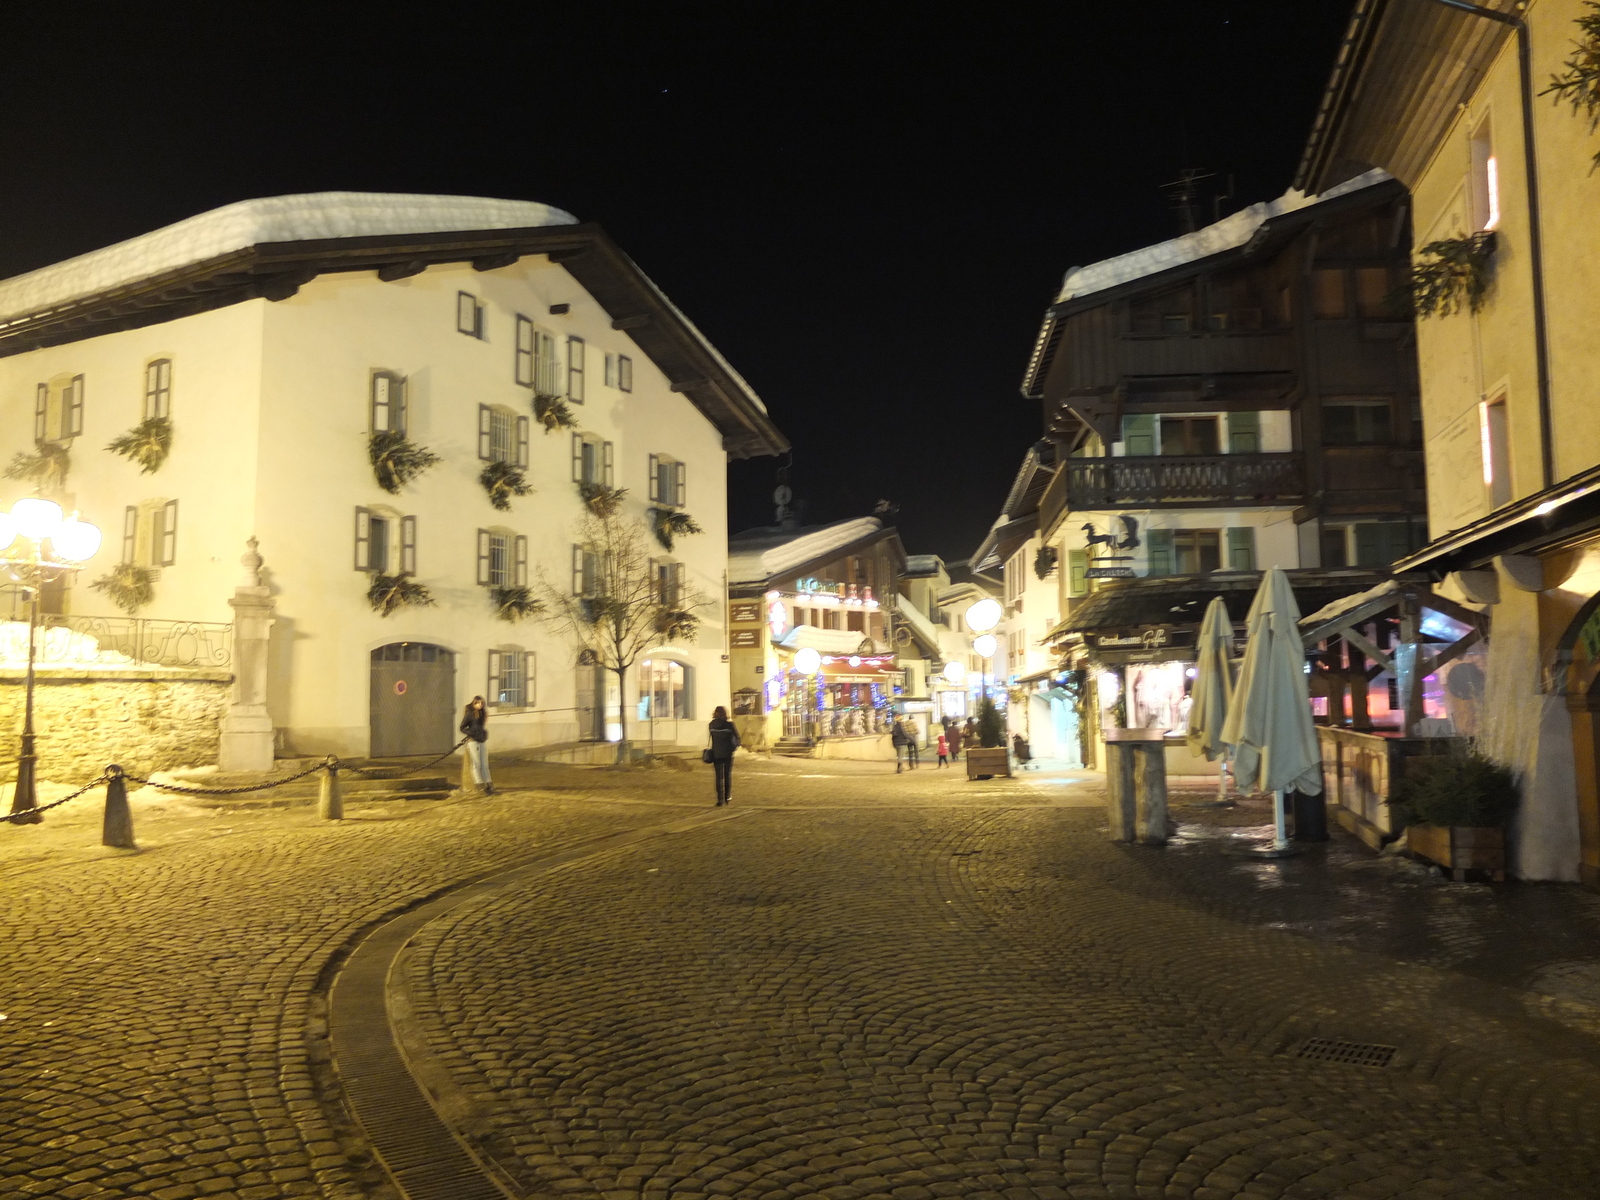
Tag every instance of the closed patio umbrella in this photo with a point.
(1269, 731)
(1213, 689)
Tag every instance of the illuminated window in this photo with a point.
(1494, 431)
(1485, 178)
(664, 692)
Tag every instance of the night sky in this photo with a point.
(865, 206)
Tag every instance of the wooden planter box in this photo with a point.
(1460, 848)
(986, 762)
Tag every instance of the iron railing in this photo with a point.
(117, 641)
(1184, 480)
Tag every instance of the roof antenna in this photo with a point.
(1221, 198)
(1184, 196)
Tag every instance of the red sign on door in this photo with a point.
(399, 687)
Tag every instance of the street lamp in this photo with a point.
(37, 546)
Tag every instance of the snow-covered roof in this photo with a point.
(759, 554)
(1229, 233)
(309, 217)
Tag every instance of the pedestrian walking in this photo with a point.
(722, 739)
(474, 725)
(913, 751)
(953, 734)
(1020, 751)
(899, 739)
(970, 734)
(944, 751)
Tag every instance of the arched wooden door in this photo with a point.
(413, 699)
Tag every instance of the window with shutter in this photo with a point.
(524, 370)
(1244, 433)
(167, 541)
(607, 463)
(1158, 549)
(469, 315)
(680, 475)
(1077, 573)
(130, 533)
(611, 370)
(158, 388)
(577, 571)
(378, 533)
(1241, 549)
(41, 412)
(655, 488)
(530, 679)
(483, 557)
(575, 352)
(408, 545)
(577, 458)
(520, 575)
(624, 373)
(388, 403)
(72, 408)
(485, 432)
(1139, 435)
(499, 559)
(496, 683)
(546, 371)
(522, 441)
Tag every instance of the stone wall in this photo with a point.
(147, 720)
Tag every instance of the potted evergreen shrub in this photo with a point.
(388, 593)
(552, 412)
(602, 500)
(148, 443)
(515, 603)
(670, 523)
(1456, 807)
(129, 586)
(397, 460)
(46, 468)
(501, 481)
(989, 758)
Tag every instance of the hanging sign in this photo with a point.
(1109, 573)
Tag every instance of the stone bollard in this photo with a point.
(330, 801)
(118, 827)
(1136, 786)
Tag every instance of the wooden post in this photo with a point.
(330, 800)
(117, 829)
(1408, 661)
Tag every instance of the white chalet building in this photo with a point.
(277, 336)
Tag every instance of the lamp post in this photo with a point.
(982, 616)
(38, 546)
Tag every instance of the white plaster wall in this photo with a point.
(1277, 539)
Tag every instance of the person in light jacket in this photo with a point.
(474, 725)
(724, 741)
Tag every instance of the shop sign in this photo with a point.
(1109, 573)
(1150, 639)
(741, 639)
(915, 706)
(745, 611)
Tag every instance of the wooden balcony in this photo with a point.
(1204, 353)
(1185, 481)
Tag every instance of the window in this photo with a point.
(1138, 435)
(1485, 187)
(502, 435)
(150, 533)
(1373, 287)
(1196, 551)
(586, 580)
(611, 370)
(1494, 432)
(536, 365)
(1244, 433)
(669, 582)
(1171, 313)
(524, 369)
(1379, 543)
(158, 388)
(1242, 549)
(512, 678)
(1328, 300)
(1356, 423)
(469, 315)
(624, 373)
(592, 460)
(664, 690)
(1335, 546)
(386, 544)
(58, 410)
(502, 559)
(668, 480)
(575, 348)
(388, 402)
(1188, 435)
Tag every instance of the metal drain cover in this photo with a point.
(1354, 1054)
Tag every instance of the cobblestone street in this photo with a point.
(854, 984)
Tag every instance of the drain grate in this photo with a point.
(1354, 1054)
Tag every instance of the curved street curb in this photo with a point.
(412, 1123)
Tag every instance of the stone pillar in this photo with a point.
(247, 726)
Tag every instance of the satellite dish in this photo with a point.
(782, 494)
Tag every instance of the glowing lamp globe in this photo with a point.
(955, 672)
(984, 615)
(75, 540)
(807, 661)
(36, 519)
(984, 645)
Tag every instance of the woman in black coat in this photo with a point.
(724, 741)
(474, 723)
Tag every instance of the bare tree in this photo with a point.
(619, 601)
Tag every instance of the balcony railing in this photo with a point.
(1184, 481)
(73, 641)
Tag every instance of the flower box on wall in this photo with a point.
(1461, 848)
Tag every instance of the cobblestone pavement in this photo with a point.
(865, 986)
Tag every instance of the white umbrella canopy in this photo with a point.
(1269, 731)
(1213, 683)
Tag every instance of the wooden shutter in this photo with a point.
(1369, 544)
(167, 548)
(1242, 548)
(575, 349)
(72, 409)
(130, 533)
(485, 432)
(624, 373)
(363, 540)
(655, 482)
(577, 458)
(1077, 573)
(524, 364)
(1244, 433)
(607, 466)
(530, 690)
(611, 370)
(519, 574)
(577, 570)
(483, 557)
(1158, 544)
(495, 677)
(680, 483)
(677, 584)
(522, 441)
(400, 404)
(41, 411)
(382, 403)
(467, 313)
(408, 545)
(1139, 435)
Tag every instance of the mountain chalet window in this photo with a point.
(575, 350)
(386, 542)
(388, 412)
(593, 461)
(536, 359)
(669, 481)
(150, 533)
(158, 388)
(1357, 423)
(58, 409)
(619, 372)
(502, 435)
(512, 678)
(1369, 543)
(664, 690)
(1196, 551)
(502, 558)
(469, 315)
(1188, 435)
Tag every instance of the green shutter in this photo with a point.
(1244, 433)
(1159, 549)
(1397, 540)
(1139, 435)
(1077, 573)
(1371, 544)
(1242, 548)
